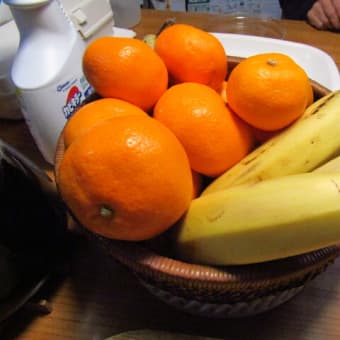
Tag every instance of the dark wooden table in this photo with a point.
(95, 297)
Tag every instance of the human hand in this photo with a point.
(325, 14)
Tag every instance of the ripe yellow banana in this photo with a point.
(269, 220)
(150, 39)
(331, 166)
(308, 143)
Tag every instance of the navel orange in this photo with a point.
(192, 55)
(127, 178)
(125, 68)
(94, 113)
(269, 91)
(213, 137)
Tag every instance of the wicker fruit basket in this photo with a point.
(215, 292)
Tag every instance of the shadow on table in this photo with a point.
(101, 298)
(114, 302)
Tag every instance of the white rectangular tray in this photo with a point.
(318, 64)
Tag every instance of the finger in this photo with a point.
(336, 4)
(330, 11)
(317, 17)
(320, 7)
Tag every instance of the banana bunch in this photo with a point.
(305, 145)
(272, 205)
(268, 220)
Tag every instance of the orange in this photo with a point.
(192, 55)
(223, 91)
(213, 137)
(125, 68)
(95, 112)
(127, 178)
(269, 91)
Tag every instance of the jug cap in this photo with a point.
(25, 3)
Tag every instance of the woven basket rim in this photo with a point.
(147, 262)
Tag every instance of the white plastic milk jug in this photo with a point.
(9, 42)
(47, 69)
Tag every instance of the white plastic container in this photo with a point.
(9, 42)
(91, 18)
(127, 13)
(47, 70)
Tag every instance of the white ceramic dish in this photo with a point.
(318, 64)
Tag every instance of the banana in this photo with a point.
(308, 143)
(331, 166)
(150, 39)
(268, 220)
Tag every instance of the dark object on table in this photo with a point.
(32, 229)
(295, 10)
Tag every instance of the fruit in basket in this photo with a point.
(127, 178)
(264, 221)
(269, 90)
(125, 68)
(133, 177)
(212, 136)
(305, 145)
(192, 55)
(332, 165)
(150, 39)
(223, 91)
(94, 113)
